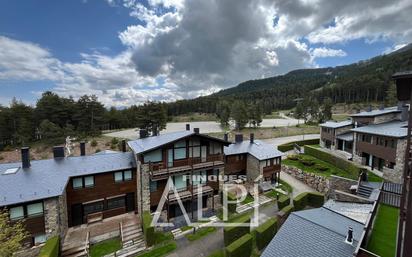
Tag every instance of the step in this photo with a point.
(131, 232)
(73, 250)
(130, 251)
(131, 237)
(76, 254)
(128, 228)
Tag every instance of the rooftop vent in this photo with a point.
(239, 138)
(349, 236)
(123, 145)
(143, 133)
(25, 157)
(226, 137)
(196, 130)
(11, 171)
(188, 127)
(252, 138)
(58, 152)
(82, 148)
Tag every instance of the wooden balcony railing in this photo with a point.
(184, 194)
(271, 169)
(162, 170)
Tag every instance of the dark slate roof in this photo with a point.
(391, 129)
(377, 112)
(347, 136)
(314, 233)
(48, 178)
(402, 75)
(334, 124)
(258, 149)
(150, 143)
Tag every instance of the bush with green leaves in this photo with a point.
(242, 247)
(231, 206)
(320, 167)
(232, 233)
(283, 201)
(300, 201)
(313, 199)
(93, 143)
(51, 248)
(287, 210)
(148, 230)
(265, 233)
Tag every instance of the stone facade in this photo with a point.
(55, 216)
(254, 168)
(319, 183)
(396, 174)
(341, 184)
(143, 184)
(387, 117)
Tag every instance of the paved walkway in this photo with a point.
(282, 140)
(298, 186)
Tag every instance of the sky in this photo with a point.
(128, 51)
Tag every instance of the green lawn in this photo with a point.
(248, 199)
(105, 247)
(163, 237)
(160, 250)
(217, 253)
(200, 233)
(331, 169)
(383, 237)
(340, 117)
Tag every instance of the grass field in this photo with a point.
(105, 247)
(340, 117)
(383, 238)
(194, 117)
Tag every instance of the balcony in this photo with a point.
(271, 169)
(184, 194)
(160, 171)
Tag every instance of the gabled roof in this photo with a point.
(314, 233)
(258, 149)
(143, 145)
(396, 129)
(334, 124)
(377, 112)
(48, 178)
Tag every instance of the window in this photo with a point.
(153, 156)
(180, 182)
(93, 207)
(215, 148)
(194, 149)
(153, 186)
(121, 176)
(180, 150)
(117, 202)
(39, 239)
(240, 157)
(77, 183)
(35, 209)
(16, 213)
(89, 181)
(200, 177)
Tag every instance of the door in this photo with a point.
(170, 158)
(77, 214)
(204, 153)
(130, 203)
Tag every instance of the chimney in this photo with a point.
(155, 131)
(123, 145)
(58, 151)
(349, 237)
(196, 130)
(369, 109)
(82, 148)
(225, 137)
(188, 127)
(405, 113)
(143, 133)
(25, 157)
(238, 138)
(252, 138)
(381, 107)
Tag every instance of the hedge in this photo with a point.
(265, 233)
(51, 248)
(289, 146)
(343, 164)
(283, 201)
(313, 199)
(288, 209)
(231, 206)
(242, 247)
(231, 234)
(148, 231)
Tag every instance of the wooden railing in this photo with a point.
(272, 168)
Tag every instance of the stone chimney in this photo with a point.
(25, 157)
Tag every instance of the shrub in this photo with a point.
(93, 143)
(231, 206)
(300, 201)
(289, 146)
(265, 233)
(231, 234)
(114, 141)
(320, 167)
(287, 210)
(283, 201)
(148, 231)
(307, 162)
(343, 164)
(242, 247)
(293, 157)
(98, 150)
(51, 248)
(316, 199)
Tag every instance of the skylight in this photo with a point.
(11, 171)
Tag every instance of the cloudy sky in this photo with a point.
(130, 51)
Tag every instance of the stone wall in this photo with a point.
(319, 183)
(253, 167)
(143, 185)
(340, 184)
(387, 117)
(55, 216)
(395, 174)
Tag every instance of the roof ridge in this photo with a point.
(342, 215)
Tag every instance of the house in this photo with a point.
(177, 156)
(316, 232)
(374, 138)
(51, 195)
(253, 158)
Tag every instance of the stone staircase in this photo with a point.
(245, 207)
(364, 191)
(76, 244)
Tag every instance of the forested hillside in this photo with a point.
(365, 81)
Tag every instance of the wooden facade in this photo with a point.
(378, 146)
(236, 164)
(103, 194)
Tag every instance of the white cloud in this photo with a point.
(327, 52)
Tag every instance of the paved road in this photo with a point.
(298, 186)
(282, 140)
